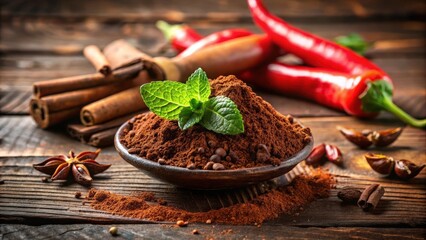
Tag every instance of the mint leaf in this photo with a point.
(198, 85)
(165, 98)
(221, 115)
(196, 105)
(190, 104)
(188, 117)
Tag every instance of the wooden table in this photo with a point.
(44, 39)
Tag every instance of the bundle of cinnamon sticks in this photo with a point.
(95, 98)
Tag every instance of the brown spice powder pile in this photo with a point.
(283, 200)
(154, 138)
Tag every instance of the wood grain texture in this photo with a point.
(70, 37)
(211, 10)
(404, 203)
(157, 231)
(25, 198)
(14, 102)
(20, 136)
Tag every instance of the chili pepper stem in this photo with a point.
(167, 29)
(378, 96)
(402, 115)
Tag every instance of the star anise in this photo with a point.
(83, 166)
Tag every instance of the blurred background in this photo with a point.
(44, 39)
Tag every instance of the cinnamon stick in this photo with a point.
(62, 101)
(103, 139)
(230, 57)
(43, 109)
(45, 119)
(83, 133)
(371, 196)
(54, 86)
(375, 197)
(97, 58)
(365, 194)
(121, 54)
(111, 107)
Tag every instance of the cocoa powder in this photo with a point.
(278, 136)
(282, 200)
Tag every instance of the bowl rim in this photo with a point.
(285, 163)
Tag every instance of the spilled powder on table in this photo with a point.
(283, 200)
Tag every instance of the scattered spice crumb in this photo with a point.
(181, 223)
(195, 232)
(113, 231)
(77, 194)
(45, 179)
(282, 200)
(227, 231)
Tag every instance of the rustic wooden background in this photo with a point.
(44, 39)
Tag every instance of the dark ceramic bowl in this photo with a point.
(209, 179)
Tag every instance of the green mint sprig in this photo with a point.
(189, 103)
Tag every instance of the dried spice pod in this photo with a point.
(81, 174)
(333, 154)
(406, 169)
(358, 138)
(380, 163)
(317, 155)
(386, 137)
(367, 137)
(83, 167)
(349, 195)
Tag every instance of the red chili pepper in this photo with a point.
(358, 95)
(313, 50)
(180, 36)
(215, 38)
(327, 87)
(194, 41)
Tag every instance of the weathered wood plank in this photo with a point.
(69, 37)
(14, 101)
(157, 231)
(403, 204)
(24, 196)
(223, 11)
(20, 136)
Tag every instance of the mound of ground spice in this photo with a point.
(282, 200)
(269, 137)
